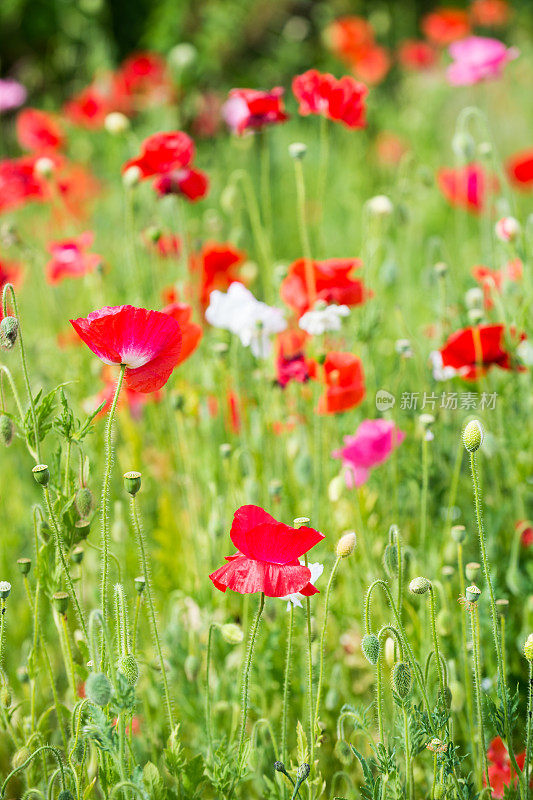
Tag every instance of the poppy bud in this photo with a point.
(232, 633)
(44, 530)
(528, 647)
(128, 667)
(439, 791)
(446, 696)
(19, 757)
(458, 533)
(41, 473)
(84, 501)
(140, 583)
(402, 679)
(472, 593)
(76, 750)
(473, 436)
(5, 589)
(343, 751)
(7, 430)
(9, 328)
(132, 482)
(297, 151)
(116, 123)
(131, 177)
(380, 206)
(463, 146)
(60, 601)
(279, 766)
(83, 526)
(370, 647)
(474, 298)
(419, 585)
(390, 559)
(182, 55)
(458, 696)
(225, 450)
(472, 570)
(24, 565)
(303, 772)
(485, 149)
(346, 545)
(98, 688)
(44, 167)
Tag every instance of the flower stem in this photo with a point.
(286, 686)
(528, 728)
(207, 689)
(304, 235)
(151, 607)
(246, 679)
(105, 492)
(323, 639)
(477, 688)
(466, 671)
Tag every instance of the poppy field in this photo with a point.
(266, 474)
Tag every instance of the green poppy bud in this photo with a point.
(98, 688)
(7, 430)
(128, 666)
(402, 679)
(473, 436)
(370, 647)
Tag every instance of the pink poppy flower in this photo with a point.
(252, 109)
(147, 342)
(12, 94)
(70, 259)
(374, 441)
(478, 58)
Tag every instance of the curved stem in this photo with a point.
(44, 747)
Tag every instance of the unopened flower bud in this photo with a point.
(132, 482)
(473, 436)
(140, 583)
(44, 167)
(127, 666)
(370, 647)
(7, 430)
(153, 234)
(132, 177)
(402, 679)
(98, 688)
(485, 149)
(279, 766)
(116, 123)
(41, 473)
(182, 55)
(60, 601)
(83, 526)
(380, 206)
(528, 647)
(5, 589)
(84, 501)
(472, 570)
(472, 593)
(24, 565)
(19, 757)
(419, 585)
(232, 633)
(65, 794)
(458, 533)
(303, 772)
(9, 328)
(297, 150)
(346, 545)
(390, 560)
(507, 229)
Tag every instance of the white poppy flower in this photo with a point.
(323, 318)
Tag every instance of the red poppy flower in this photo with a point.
(217, 267)
(191, 333)
(472, 351)
(345, 383)
(501, 772)
(145, 77)
(70, 259)
(466, 187)
(446, 25)
(416, 55)
(168, 245)
(490, 13)
(372, 64)
(291, 363)
(332, 282)
(253, 109)
(163, 152)
(10, 272)
(90, 107)
(38, 131)
(525, 529)
(19, 183)
(191, 183)
(147, 342)
(347, 37)
(340, 100)
(267, 557)
(390, 148)
(208, 115)
(520, 169)
(492, 279)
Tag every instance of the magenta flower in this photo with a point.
(12, 94)
(478, 58)
(374, 441)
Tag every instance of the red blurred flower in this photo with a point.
(345, 383)
(492, 279)
(446, 25)
(372, 64)
(70, 259)
(217, 267)
(19, 182)
(390, 148)
(520, 169)
(191, 333)
(252, 109)
(90, 107)
(191, 183)
(416, 55)
(340, 100)
(168, 245)
(268, 556)
(501, 772)
(525, 529)
(347, 37)
(332, 282)
(10, 272)
(147, 342)
(471, 351)
(38, 131)
(466, 187)
(208, 115)
(490, 13)
(291, 363)
(145, 77)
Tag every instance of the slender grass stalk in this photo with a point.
(435, 638)
(150, 603)
(304, 234)
(424, 495)
(105, 492)
(208, 690)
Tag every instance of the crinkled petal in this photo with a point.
(247, 576)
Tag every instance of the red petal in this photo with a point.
(258, 535)
(246, 576)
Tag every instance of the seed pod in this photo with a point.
(132, 482)
(24, 565)
(472, 570)
(472, 593)
(60, 601)
(7, 430)
(84, 501)
(9, 328)
(41, 473)
(458, 533)
(140, 583)
(128, 666)
(98, 688)
(402, 679)
(370, 647)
